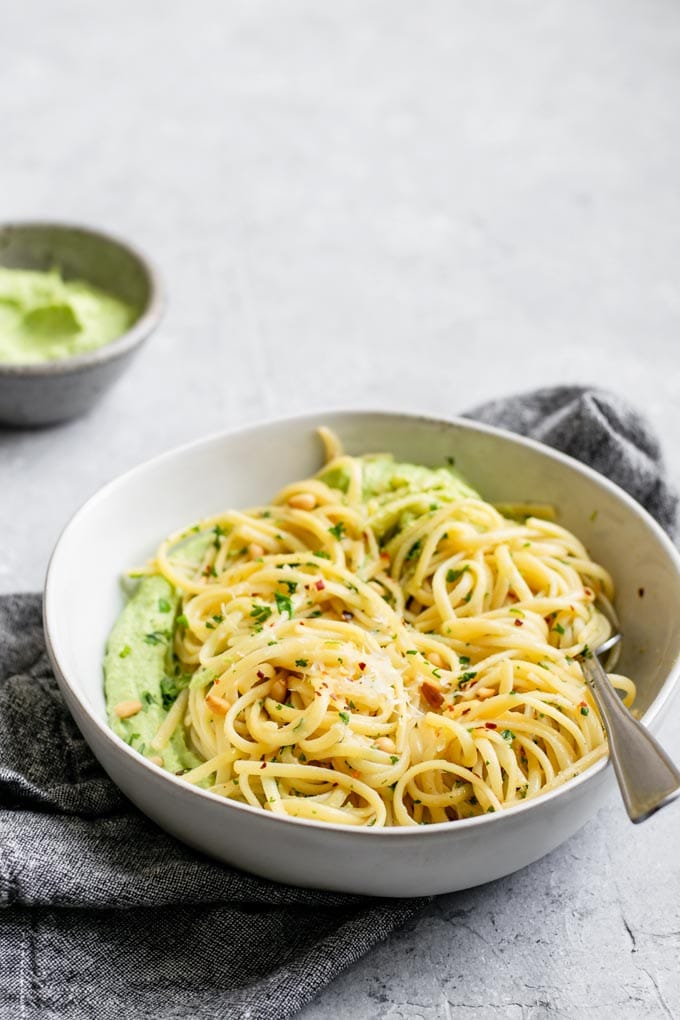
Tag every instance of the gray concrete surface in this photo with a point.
(391, 204)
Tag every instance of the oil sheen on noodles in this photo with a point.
(350, 672)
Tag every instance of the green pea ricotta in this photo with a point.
(138, 667)
(396, 493)
(44, 317)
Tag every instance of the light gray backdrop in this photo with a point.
(412, 206)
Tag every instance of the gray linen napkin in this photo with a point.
(104, 916)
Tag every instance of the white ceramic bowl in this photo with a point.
(122, 524)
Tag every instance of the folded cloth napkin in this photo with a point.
(105, 916)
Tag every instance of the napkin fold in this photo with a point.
(103, 915)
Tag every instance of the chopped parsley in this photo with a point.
(291, 585)
(466, 677)
(322, 554)
(338, 530)
(219, 533)
(164, 606)
(559, 628)
(148, 698)
(284, 604)
(454, 575)
(585, 710)
(414, 550)
(182, 621)
(302, 663)
(124, 652)
(156, 637)
(345, 717)
(260, 613)
(508, 735)
(171, 687)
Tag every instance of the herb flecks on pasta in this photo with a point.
(379, 646)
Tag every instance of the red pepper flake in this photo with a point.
(641, 593)
(582, 704)
(263, 765)
(260, 675)
(385, 556)
(491, 725)
(465, 711)
(319, 585)
(519, 623)
(362, 666)
(588, 593)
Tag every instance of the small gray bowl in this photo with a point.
(57, 390)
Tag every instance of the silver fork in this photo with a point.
(647, 778)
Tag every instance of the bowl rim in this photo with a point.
(666, 692)
(149, 318)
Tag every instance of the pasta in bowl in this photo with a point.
(376, 646)
(455, 741)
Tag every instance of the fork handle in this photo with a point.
(647, 778)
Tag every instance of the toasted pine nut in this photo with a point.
(219, 705)
(278, 689)
(436, 659)
(432, 694)
(157, 760)
(385, 744)
(255, 550)
(302, 501)
(124, 709)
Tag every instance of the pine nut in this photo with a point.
(124, 709)
(385, 744)
(278, 689)
(436, 659)
(219, 705)
(302, 501)
(255, 550)
(432, 694)
(157, 760)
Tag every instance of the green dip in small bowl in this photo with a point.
(75, 305)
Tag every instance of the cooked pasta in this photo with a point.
(381, 654)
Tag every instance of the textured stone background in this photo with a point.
(413, 206)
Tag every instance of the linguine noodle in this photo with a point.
(392, 660)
